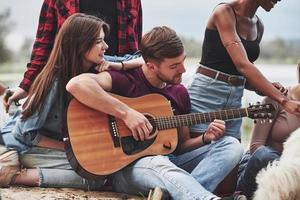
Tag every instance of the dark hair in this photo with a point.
(77, 36)
(160, 43)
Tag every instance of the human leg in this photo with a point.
(53, 170)
(45, 167)
(210, 164)
(258, 160)
(27, 177)
(152, 171)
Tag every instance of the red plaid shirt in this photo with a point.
(54, 13)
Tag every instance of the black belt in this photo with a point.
(230, 79)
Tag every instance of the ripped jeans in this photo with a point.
(55, 171)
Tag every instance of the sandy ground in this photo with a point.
(21, 193)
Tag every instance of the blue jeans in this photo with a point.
(55, 171)
(192, 175)
(250, 165)
(6, 131)
(211, 163)
(209, 95)
(152, 171)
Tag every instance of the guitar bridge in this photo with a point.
(114, 130)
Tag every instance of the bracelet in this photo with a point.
(123, 66)
(203, 141)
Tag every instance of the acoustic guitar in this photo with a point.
(99, 144)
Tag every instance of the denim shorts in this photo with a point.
(209, 95)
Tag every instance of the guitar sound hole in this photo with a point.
(130, 146)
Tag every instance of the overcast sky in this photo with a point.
(187, 17)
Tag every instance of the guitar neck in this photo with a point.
(176, 121)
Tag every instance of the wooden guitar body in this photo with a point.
(100, 144)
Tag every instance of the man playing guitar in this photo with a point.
(164, 57)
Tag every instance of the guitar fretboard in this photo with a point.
(176, 121)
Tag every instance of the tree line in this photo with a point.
(273, 51)
(5, 52)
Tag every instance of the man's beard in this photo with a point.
(167, 81)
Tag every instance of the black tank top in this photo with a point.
(215, 56)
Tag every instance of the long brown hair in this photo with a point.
(77, 36)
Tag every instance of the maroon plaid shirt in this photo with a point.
(54, 13)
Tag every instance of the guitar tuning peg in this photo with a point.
(261, 107)
(250, 104)
(257, 103)
(270, 121)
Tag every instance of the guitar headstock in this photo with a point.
(261, 111)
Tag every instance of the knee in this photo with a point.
(158, 164)
(230, 149)
(234, 147)
(162, 164)
(263, 155)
